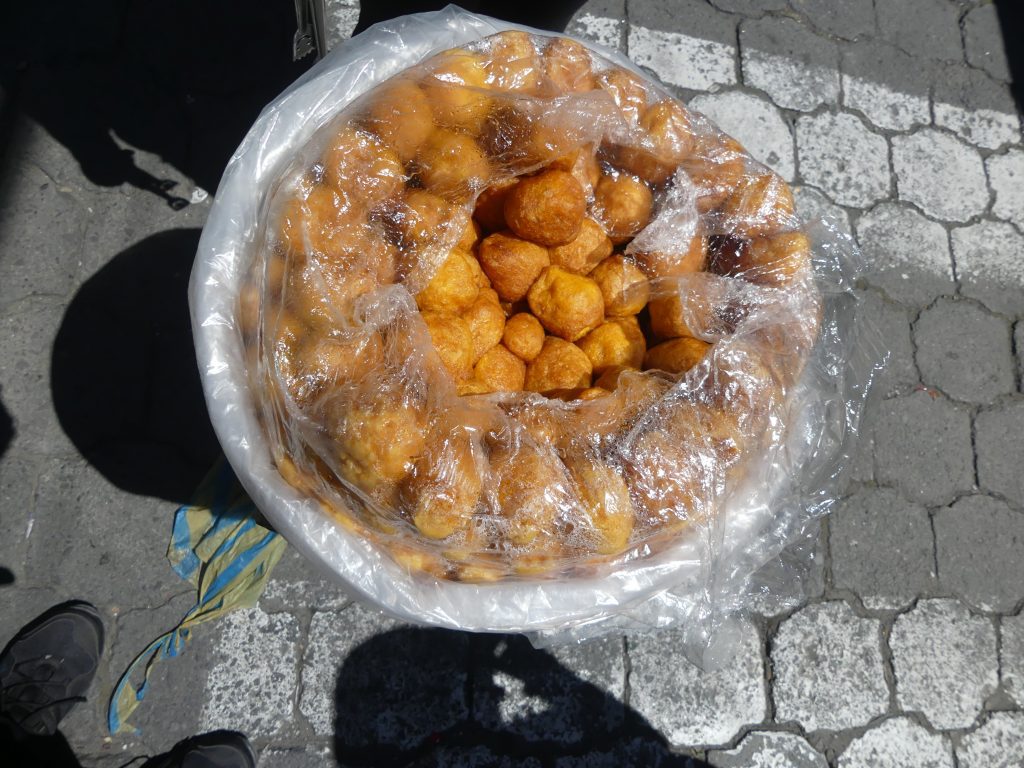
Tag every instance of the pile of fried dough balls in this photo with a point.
(501, 186)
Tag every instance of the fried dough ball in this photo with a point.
(377, 443)
(249, 300)
(583, 165)
(532, 490)
(677, 355)
(453, 288)
(567, 66)
(453, 341)
(547, 209)
(486, 321)
(566, 304)
(311, 225)
(584, 253)
(617, 342)
(511, 264)
(417, 219)
(359, 162)
(624, 205)
(668, 140)
(524, 336)
(324, 292)
(514, 63)
(457, 90)
(325, 362)
(500, 371)
(605, 500)
(444, 488)
(490, 205)
(471, 387)
(560, 365)
(761, 205)
(624, 287)
(673, 263)
(470, 236)
(399, 112)
(452, 163)
(627, 90)
(673, 315)
(666, 477)
(716, 167)
(773, 260)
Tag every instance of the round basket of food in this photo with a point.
(505, 337)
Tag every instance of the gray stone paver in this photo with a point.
(848, 20)
(882, 548)
(1011, 657)
(840, 156)
(979, 542)
(909, 254)
(750, 7)
(893, 323)
(965, 351)
(1006, 177)
(812, 205)
(973, 105)
(997, 438)
(887, 84)
(983, 43)
(770, 749)
(827, 666)
(989, 264)
(923, 447)
(756, 123)
(999, 743)
(795, 67)
(945, 662)
(690, 706)
(901, 23)
(898, 741)
(930, 165)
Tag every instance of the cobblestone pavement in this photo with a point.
(895, 121)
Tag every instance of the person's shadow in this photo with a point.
(124, 378)
(414, 698)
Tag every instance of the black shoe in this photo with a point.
(219, 749)
(48, 666)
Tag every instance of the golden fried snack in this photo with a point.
(624, 287)
(249, 298)
(311, 225)
(566, 304)
(514, 63)
(584, 253)
(560, 365)
(511, 264)
(627, 90)
(773, 260)
(567, 66)
(523, 336)
(457, 90)
(416, 219)
(490, 205)
(399, 112)
(605, 500)
(759, 206)
(666, 476)
(453, 288)
(532, 489)
(453, 341)
(500, 371)
(486, 321)
(327, 362)
(452, 164)
(583, 165)
(363, 165)
(676, 356)
(377, 443)
(470, 236)
(616, 342)
(716, 168)
(443, 490)
(623, 205)
(547, 209)
(322, 292)
(668, 140)
(692, 257)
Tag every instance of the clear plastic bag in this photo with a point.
(353, 336)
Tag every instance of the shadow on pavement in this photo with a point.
(182, 80)
(1011, 21)
(416, 697)
(6, 428)
(549, 14)
(125, 383)
(6, 577)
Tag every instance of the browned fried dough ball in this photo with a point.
(416, 220)
(310, 225)
(669, 140)
(627, 90)
(584, 253)
(582, 164)
(560, 365)
(399, 112)
(716, 168)
(617, 342)
(567, 66)
(624, 206)
(500, 370)
(776, 259)
(453, 341)
(692, 257)
(676, 356)
(470, 236)
(443, 490)
(362, 164)
(566, 304)
(486, 321)
(514, 63)
(524, 336)
(377, 443)
(547, 209)
(452, 164)
(624, 287)
(605, 499)
(511, 264)
(532, 489)
(456, 88)
(325, 362)
(453, 287)
(490, 205)
(665, 475)
(759, 206)
(249, 300)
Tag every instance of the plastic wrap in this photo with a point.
(672, 403)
